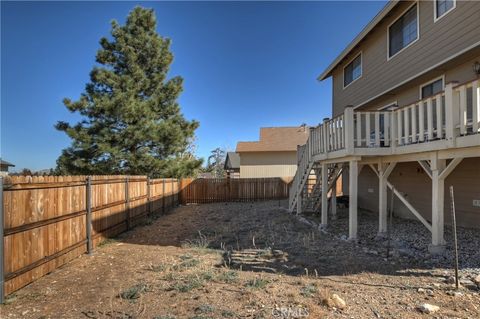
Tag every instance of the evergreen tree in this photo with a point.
(132, 123)
(216, 162)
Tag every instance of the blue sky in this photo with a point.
(245, 65)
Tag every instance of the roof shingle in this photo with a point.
(274, 139)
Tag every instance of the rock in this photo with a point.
(450, 280)
(428, 308)
(339, 302)
(454, 293)
(477, 280)
(429, 292)
(421, 290)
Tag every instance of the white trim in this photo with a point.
(435, 18)
(473, 46)
(399, 16)
(442, 77)
(347, 64)
(386, 106)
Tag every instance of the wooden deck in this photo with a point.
(442, 127)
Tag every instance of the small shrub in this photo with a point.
(207, 275)
(308, 290)
(106, 242)
(228, 277)
(228, 314)
(188, 263)
(201, 242)
(185, 257)
(158, 268)
(171, 277)
(257, 283)
(190, 283)
(133, 292)
(206, 308)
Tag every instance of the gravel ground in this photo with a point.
(409, 243)
(252, 260)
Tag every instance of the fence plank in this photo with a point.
(213, 190)
(46, 218)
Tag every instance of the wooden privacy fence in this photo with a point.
(50, 220)
(197, 191)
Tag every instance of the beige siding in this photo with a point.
(415, 185)
(458, 30)
(268, 164)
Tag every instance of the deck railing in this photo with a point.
(449, 114)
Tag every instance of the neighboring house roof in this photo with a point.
(232, 161)
(369, 27)
(5, 163)
(274, 139)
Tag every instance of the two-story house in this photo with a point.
(406, 117)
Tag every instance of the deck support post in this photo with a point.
(438, 192)
(299, 202)
(383, 174)
(333, 203)
(324, 194)
(352, 206)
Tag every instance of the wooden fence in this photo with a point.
(48, 221)
(211, 190)
(51, 220)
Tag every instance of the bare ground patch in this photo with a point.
(239, 260)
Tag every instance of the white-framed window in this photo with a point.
(432, 88)
(403, 32)
(352, 71)
(442, 7)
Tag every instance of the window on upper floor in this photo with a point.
(442, 7)
(403, 32)
(431, 88)
(352, 71)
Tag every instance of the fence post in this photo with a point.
(127, 202)
(88, 203)
(149, 208)
(2, 251)
(163, 196)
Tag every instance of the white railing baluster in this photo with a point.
(429, 120)
(406, 136)
(377, 129)
(421, 122)
(463, 110)
(476, 106)
(359, 129)
(386, 128)
(414, 123)
(399, 115)
(367, 129)
(438, 105)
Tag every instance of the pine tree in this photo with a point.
(132, 123)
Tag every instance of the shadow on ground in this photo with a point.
(266, 227)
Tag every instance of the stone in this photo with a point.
(428, 308)
(339, 302)
(477, 280)
(454, 293)
(450, 280)
(429, 292)
(421, 290)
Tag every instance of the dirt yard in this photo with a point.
(242, 260)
